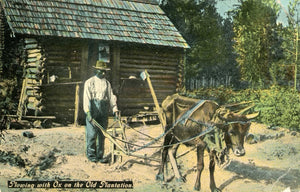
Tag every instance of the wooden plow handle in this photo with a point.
(145, 76)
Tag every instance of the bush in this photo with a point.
(279, 106)
(8, 100)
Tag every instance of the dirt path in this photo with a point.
(271, 164)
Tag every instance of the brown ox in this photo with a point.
(188, 118)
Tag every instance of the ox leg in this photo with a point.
(212, 164)
(172, 155)
(164, 155)
(200, 165)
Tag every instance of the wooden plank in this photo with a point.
(76, 113)
(39, 117)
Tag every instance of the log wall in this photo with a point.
(31, 96)
(69, 62)
(165, 69)
(63, 72)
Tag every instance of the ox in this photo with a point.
(189, 118)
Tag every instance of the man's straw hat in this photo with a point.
(101, 65)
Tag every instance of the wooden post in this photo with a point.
(161, 116)
(21, 101)
(76, 105)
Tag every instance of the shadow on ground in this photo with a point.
(289, 177)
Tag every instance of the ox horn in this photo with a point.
(252, 116)
(237, 104)
(226, 115)
(245, 109)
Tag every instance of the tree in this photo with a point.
(202, 27)
(257, 42)
(291, 46)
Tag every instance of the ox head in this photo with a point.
(236, 127)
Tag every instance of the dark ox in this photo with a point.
(185, 121)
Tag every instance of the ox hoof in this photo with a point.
(216, 190)
(197, 188)
(159, 177)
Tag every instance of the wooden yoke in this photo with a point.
(145, 76)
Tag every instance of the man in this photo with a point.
(97, 98)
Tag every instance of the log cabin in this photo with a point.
(56, 43)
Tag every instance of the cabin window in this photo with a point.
(104, 54)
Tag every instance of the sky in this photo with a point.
(226, 5)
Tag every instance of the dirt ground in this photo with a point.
(271, 163)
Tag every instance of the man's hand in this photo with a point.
(89, 116)
(117, 114)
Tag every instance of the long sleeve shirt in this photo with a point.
(99, 89)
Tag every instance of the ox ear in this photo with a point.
(252, 116)
(226, 115)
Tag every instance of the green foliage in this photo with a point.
(279, 106)
(210, 38)
(257, 43)
(221, 95)
(8, 96)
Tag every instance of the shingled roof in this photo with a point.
(111, 20)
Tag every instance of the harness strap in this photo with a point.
(187, 114)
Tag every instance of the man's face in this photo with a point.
(100, 73)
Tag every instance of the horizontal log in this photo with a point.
(59, 99)
(33, 70)
(157, 71)
(33, 76)
(35, 55)
(32, 60)
(125, 75)
(59, 105)
(149, 61)
(34, 99)
(30, 41)
(134, 100)
(39, 117)
(32, 46)
(33, 82)
(140, 83)
(148, 66)
(52, 47)
(33, 51)
(143, 92)
(150, 52)
(56, 63)
(32, 87)
(32, 106)
(59, 57)
(65, 62)
(32, 92)
(64, 68)
(38, 63)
